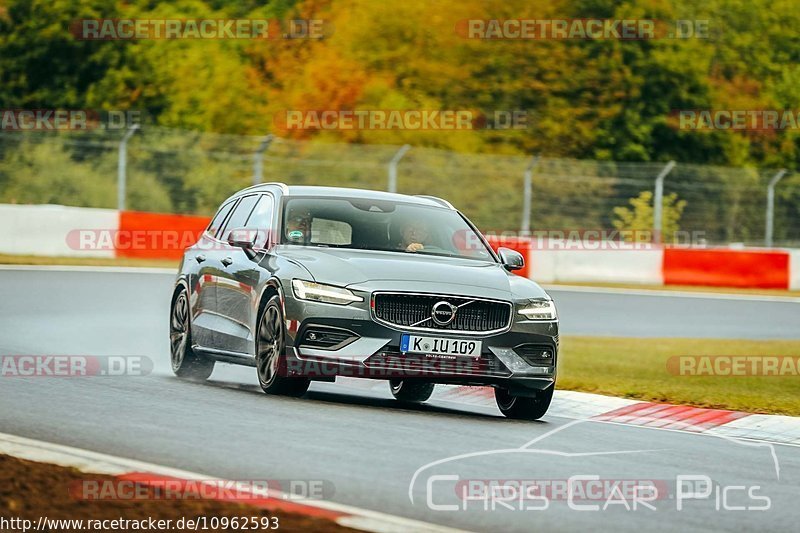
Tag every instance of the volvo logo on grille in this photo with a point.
(443, 312)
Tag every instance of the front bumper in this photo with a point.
(372, 350)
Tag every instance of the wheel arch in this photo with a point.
(271, 288)
(180, 283)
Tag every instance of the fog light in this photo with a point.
(327, 338)
(536, 354)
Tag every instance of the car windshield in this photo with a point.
(367, 224)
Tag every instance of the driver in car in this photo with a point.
(298, 227)
(414, 235)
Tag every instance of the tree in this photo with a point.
(639, 216)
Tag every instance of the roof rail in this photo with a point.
(283, 186)
(436, 199)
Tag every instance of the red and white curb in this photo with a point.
(585, 406)
(147, 473)
(720, 422)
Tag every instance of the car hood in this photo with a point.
(409, 272)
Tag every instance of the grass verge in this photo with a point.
(637, 368)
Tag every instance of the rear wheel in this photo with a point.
(411, 391)
(185, 362)
(270, 354)
(523, 407)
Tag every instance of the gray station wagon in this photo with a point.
(310, 283)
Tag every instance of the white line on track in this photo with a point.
(100, 463)
(666, 293)
(96, 269)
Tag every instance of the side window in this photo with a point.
(239, 216)
(261, 219)
(216, 223)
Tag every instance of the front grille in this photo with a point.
(414, 311)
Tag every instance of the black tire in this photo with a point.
(523, 407)
(411, 391)
(270, 353)
(184, 361)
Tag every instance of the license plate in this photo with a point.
(439, 346)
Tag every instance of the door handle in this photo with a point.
(200, 258)
(227, 261)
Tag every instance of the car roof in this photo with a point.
(345, 192)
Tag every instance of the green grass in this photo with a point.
(637, 368)
(6, 259)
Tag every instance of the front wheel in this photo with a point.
(411, 391)
(184, 361)
(270, 354)
(523, 407)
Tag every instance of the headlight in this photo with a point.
(318, 292)
(539, 310)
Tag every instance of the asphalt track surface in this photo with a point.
(365, 448)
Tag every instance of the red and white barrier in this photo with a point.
(52, 230)
(597, 266)
(166, 236)
(767, 269)
(794, 270)
(716, 267)
(45, 229)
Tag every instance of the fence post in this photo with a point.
(392, 187)
(527, 192)
(258, 159)
(122, 166)
(658, 200)
(771, 206)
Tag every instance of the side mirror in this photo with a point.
(245, 239)
(511, 259)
